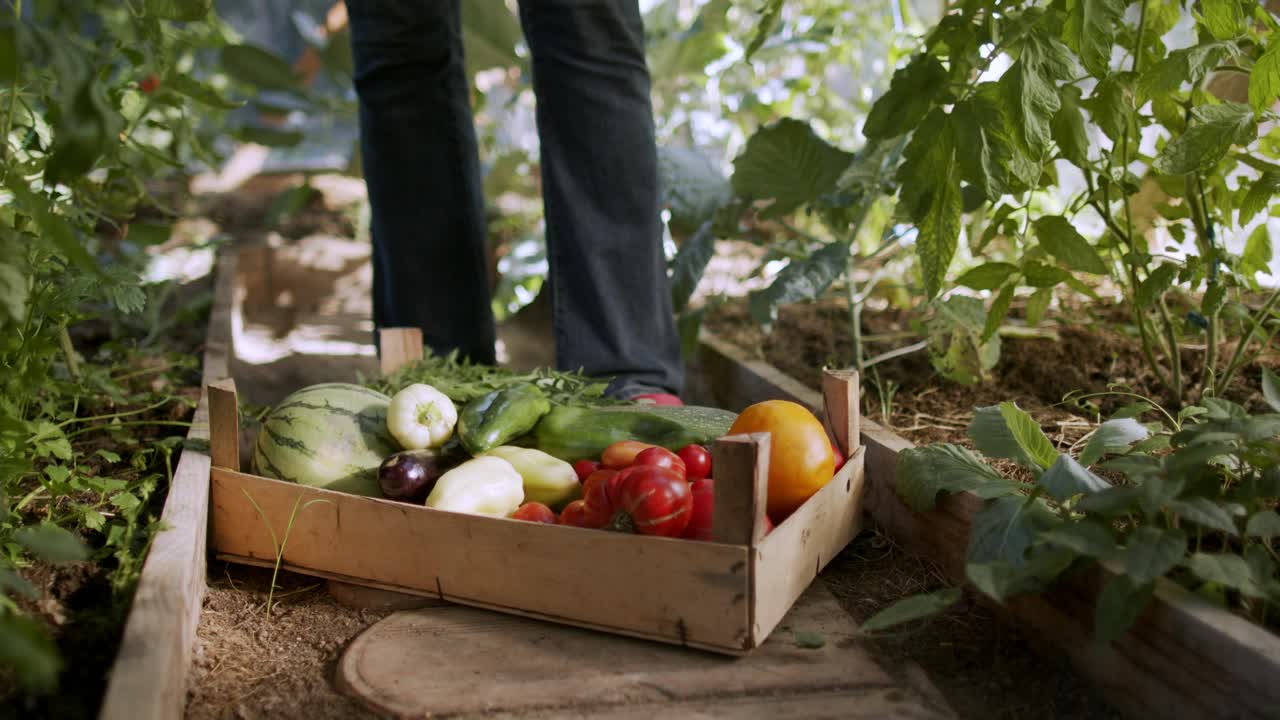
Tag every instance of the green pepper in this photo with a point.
(496, 417)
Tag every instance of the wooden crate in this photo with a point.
(725, 596)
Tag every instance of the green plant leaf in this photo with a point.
(1005, 528)
(1207, 513)
(30, 651)
(1119, 605)
(990, 434)
(1090, 30)
(490, 32)
(801, 280)
(270, 137)
(1067, 478)
(15, 288)
(1256, 257)
(259, 68)
(1084, 537)
(1224, 19)
(1263, 524)
(915, 607)
(1264, 79)
(809, 640)
(8, 55)
(788, 163)
(693, 189)
(987, 276)
(200, 92)
(1111, 105)
(1061, 240)
(769, 16)
(1186, 65)
(999, 309)
(1156, 284)
(1068, 128)
(955, 347)
(1112, 436)
(1215, 128)
(930, 194)
(925, 471)
(1151, 552)
(1112, 502)
(1027, 433)
(690, 262)
(1000, 580)
(1258, 197)
(1271, 388)
(180, 10)
(55, 227)
(1034, 100)
(289, 202)
(52, 543)
(910, 96)
(1226, 569)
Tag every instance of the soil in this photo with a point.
(248, 665)
(1040, 374)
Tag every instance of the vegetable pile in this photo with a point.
(535, 447)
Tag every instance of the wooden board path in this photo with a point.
(461, 662)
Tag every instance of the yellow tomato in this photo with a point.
(800, 456)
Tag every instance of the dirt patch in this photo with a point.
(248, 665)
(907, 394)
(984, 668)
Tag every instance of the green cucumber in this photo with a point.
(497, 417)
(575, 433)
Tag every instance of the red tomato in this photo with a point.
(697, 461)
(653, 500)
(704, 495)
(534, 512)
(704, 492)
(661, 457)
(599, 494)
(573, 515)
(149, 83)
(584, 468)
(622, 453)
(835, 450)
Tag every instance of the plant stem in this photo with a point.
(69, 351)
(855, 316)
(113, 416)
(1258, 318)
(1175, 356)
(1205, 231)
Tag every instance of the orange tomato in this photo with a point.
(622, 453)
(800, 457)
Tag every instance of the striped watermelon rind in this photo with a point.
(332, 435)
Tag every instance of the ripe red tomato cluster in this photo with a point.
(645, 489)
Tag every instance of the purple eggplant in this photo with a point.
(410, 475)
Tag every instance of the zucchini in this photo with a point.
(575, 433)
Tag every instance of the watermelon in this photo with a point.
(332, 435)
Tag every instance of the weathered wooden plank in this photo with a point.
(788, 559)
(398, 347)
(148, 677)
(425, 663)
(741, 488)
(224, 415)
(676, 590)
(1183, 658)
(842, 408)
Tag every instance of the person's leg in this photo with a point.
(611, 300)
(418, 145)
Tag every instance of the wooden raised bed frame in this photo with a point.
(724, 596)
(1183, 658)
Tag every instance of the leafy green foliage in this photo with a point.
(914, 607)
(1215, 478)
(787, 162)
(958, 349)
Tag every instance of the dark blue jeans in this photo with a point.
(610, 297)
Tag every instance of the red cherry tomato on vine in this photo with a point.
(699, 527)
(584, 468)
(534, 512)
(660, 457)
(653, 500)
(697, 461)
(149, 83)
(572, 515)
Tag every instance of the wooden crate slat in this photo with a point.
(671, 589)
(788, 559)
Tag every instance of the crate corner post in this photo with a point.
(841, 400)
(397, 347)
(224, 424)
